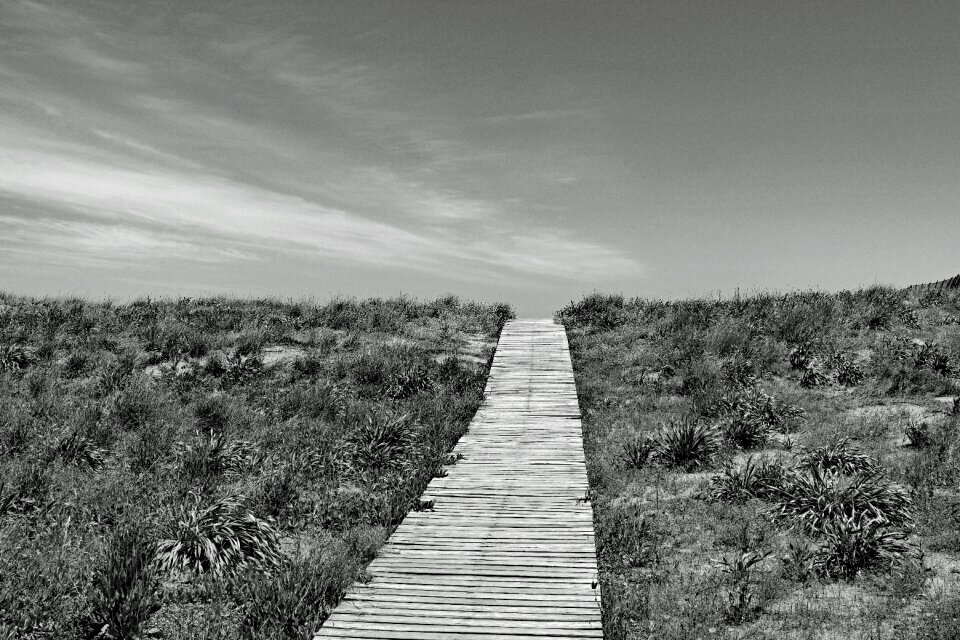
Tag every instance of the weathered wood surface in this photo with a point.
(508, 550)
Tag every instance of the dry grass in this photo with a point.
(829, 508)
(217, 468)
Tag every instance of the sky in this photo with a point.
(518, 151)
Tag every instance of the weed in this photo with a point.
(739, 572)
(135, 405)
(125, 591)
(754, 479)
(278, 493)
(378, 439)
(840, 455)
(636, 451)
(853, 544)
(813, 498)
(687, 444)
(918, 434)
(799, 563)
(213, 413)
(221, 538)
(80, 450)
(213, 455)
(294, 599)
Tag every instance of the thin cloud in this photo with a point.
(253, 144)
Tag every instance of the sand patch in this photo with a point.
(280, 356)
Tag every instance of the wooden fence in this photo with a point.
(949, 283)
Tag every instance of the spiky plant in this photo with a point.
(846, 371)
(745, 433)
(687, 444)
(813, 375)
(14, 357)
(918, 434)
(379, 438)
(751, 416)
(636, 451)
(214, 454)
(78, 449)
(840, 455)
(813, 498)
(755, 479)
(801, 356)
(220, 539)
(852, 544)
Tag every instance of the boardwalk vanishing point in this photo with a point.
(508, 550)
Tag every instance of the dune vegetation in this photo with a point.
(216, 468)
(774, 466)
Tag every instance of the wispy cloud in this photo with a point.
(252, 144)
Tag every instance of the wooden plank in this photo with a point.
(507, 552)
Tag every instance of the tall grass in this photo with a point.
(769, 388)
(162, 413)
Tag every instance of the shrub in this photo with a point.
(636, 451)
(125, 591)
(813, 498)
(378, 439)
(76, 364)
(813, 375)
(220, 539)
(841, 456)
(918, 434)
(801, 356)
(598, 311)
(687, 444)
(240, 369)
(214, 455)
(846, 372)
(852, 544)
(752, 415)
(752, 480)
(395, 372)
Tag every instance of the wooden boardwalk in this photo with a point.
(508, 550)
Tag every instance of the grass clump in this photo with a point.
(220, 538)
(126, 591)
(686, 444)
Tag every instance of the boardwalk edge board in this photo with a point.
(508, 550)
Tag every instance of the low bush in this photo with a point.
(687, 444)
(852, 544)
(754, 479)
(221, 538)
(841, 456)
(813, 498)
